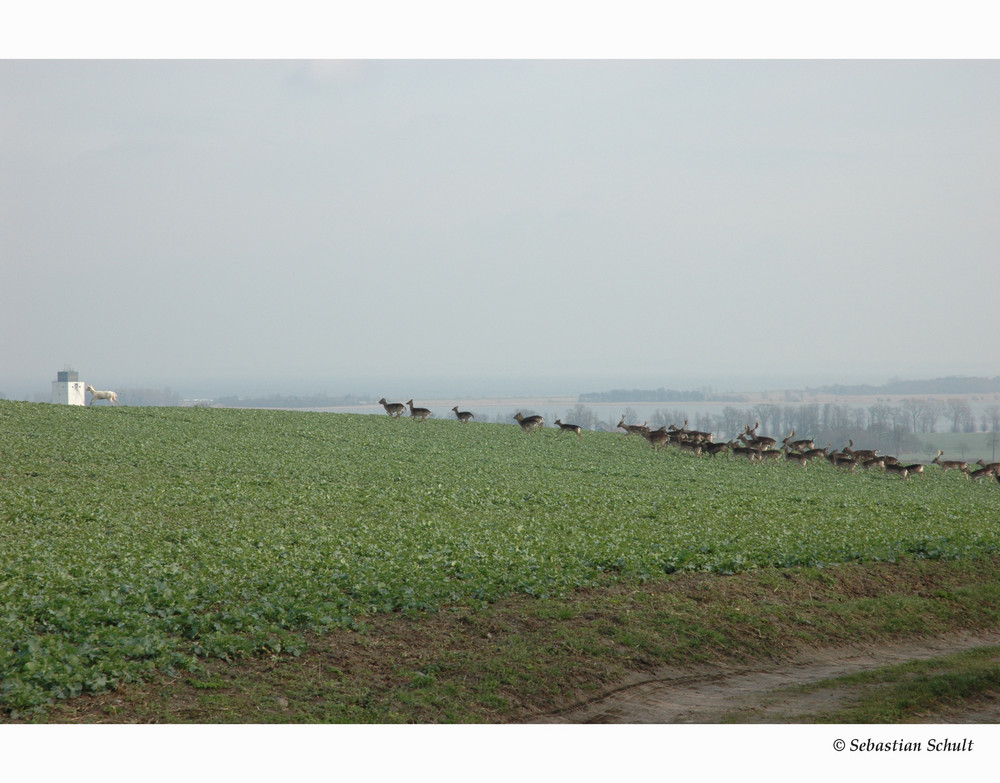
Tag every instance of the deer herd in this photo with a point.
(747, 445)
(760, 448)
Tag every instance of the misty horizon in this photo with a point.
(500, 227)
(464, 388)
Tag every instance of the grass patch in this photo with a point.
(910, 692)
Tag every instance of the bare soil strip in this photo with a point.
(716, 693)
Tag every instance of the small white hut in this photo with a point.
(68, 389)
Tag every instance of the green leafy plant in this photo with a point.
(138, 540)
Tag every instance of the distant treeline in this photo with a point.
(950, 385)
(281, 401)
(659, 395)
(164, 397)
(895, 429)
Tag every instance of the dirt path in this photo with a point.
(761, 695)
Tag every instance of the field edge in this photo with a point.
(523, 658)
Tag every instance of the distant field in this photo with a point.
(135, 540)
(919, 447)
(961, 445)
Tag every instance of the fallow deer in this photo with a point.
(658, 439)
(951, 464)
(860, 455)
(715, 448)
(529, 423)
(753, 440)
(418, 413)
(814, 453)
(463, 416)
(742, 452)
(631, 429)
(394, 409)
(570, 428)
(794, 456)
(987, 471)
(799, 445)
(899, 470)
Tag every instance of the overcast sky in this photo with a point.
(465, 227)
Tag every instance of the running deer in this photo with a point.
(418, 413)
(686, 434)
(715, 448)
(743, 452)
(529, 423)
(842, 460)
(394, 409)
(899, 470)
(951, 464)
(463, 416)
(814, 453)
(862, 454)
(799, 445)
(570, 428)
(658, 439)
(110, 396)
(874, 462)
(694, 446)
(987, 471)
(753, 440)
(794, 456)
(631, 429)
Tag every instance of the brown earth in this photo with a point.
(766, 695)
(694, 648)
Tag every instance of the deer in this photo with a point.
(394, 409)
(860, 455)
(916, 467)
(798, 445)
(529, 423)
(698, 435)
(874, 462)
(570, 428)
(110, 396)
(899, 470)
(951, 464)
(418, 413)
(814, 453)
(694, 446)
(715, 448)
(631, 429)
(463, 416)
(842, 460)
(658, 439)
(986, 471)
(742, 452)
(795, 456)
(750, 438)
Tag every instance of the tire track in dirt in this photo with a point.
(704, 696)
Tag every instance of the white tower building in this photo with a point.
(68, 389)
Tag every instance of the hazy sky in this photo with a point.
(463, 227)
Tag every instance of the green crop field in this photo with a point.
(142, 540)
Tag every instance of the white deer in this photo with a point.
(102, 395)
